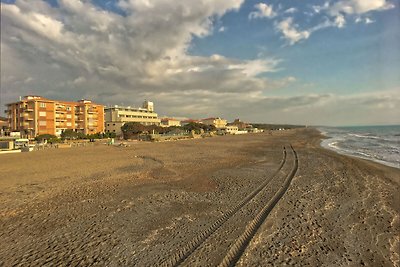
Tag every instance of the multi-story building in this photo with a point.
(35, 115)
(168, 122)
(217, 122)
(117, 116)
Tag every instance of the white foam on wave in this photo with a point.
(364, 136)
(339, 142)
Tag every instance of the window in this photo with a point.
(69, 116)
(42, 113)
(69, 124)
(42, 105)
(68, 108)
(42, 123)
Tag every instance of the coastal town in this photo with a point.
(35, 120)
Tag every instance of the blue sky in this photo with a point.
(302, 62)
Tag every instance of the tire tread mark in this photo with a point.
(237, 249)
(179, 256)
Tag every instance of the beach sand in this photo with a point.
(138, 205)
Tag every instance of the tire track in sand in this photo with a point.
(184, 252)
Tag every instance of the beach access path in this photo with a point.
(250, 200)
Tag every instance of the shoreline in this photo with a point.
(352, 153)
(103, 203)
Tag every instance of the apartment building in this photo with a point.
(217, 122)
(36, 115)
(117, 116)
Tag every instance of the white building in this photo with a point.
(231, 129)
(117, 116)
(168, 122)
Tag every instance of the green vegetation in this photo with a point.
(197, 127)
(131, 130)
(72, 135)
(265, 126)
(48, 137)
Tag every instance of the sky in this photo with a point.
(334, 62)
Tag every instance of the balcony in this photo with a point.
(28, 118)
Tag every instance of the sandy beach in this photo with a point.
(189, 202)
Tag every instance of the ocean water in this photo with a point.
(377, 143)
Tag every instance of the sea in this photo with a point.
(377, 143)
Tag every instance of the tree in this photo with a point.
(196, 127)
(132, 129)
(193, 126)
(69, 134)
(49, 137)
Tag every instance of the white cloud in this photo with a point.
(77, 50)
(358, 7)
(317, 109)
(222, 29)
(340, 21)
(291, 10)
(290, 31)
(263, 11)
(336, 15)
(344, 8)
(369, 21)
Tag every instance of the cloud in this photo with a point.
(263, 11)
(291, 10)
(339, 21)
(308, 109)
(79, 50)
(364, 20)
(290, 31)
(358, 7)
(344, 8)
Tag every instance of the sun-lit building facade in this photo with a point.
(36, 115)
(117, 116)
(217, 122)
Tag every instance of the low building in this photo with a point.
(217, 122)
(168, 122)
(240, 124)
(254, 130)
(231, 129)
(4, 130)
(7, 143)
(36, 115)
(117, 116)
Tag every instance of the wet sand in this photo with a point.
(138, 205)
